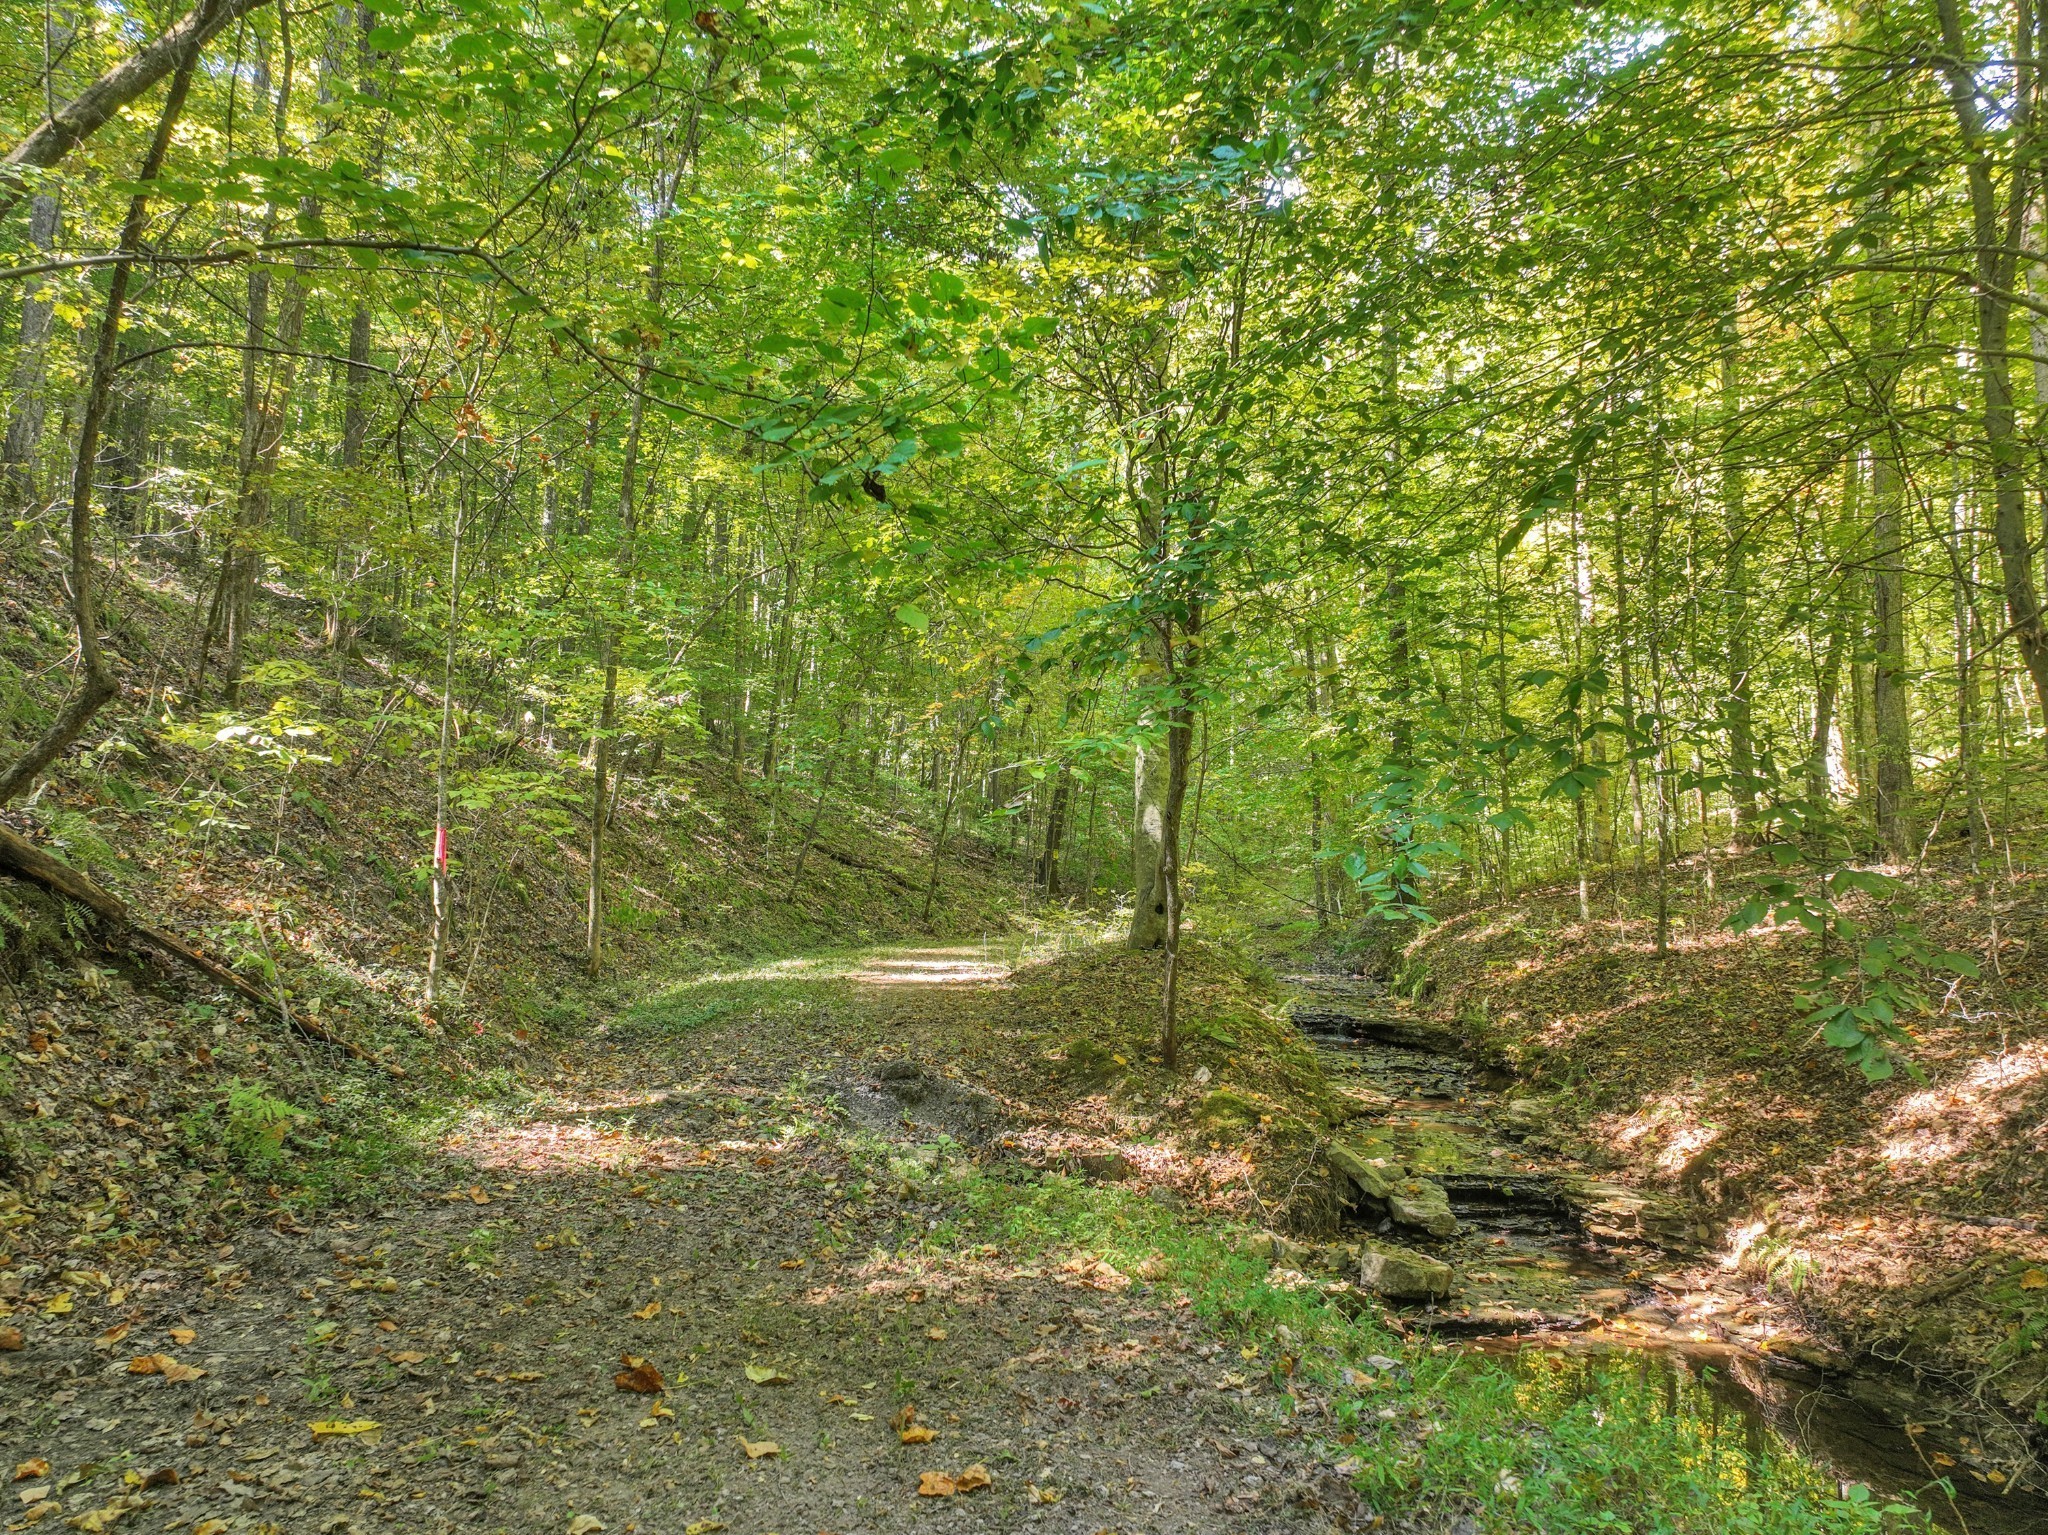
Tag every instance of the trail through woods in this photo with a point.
(665, 1299)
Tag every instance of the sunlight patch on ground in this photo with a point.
(970, 964)
(1939, 1123)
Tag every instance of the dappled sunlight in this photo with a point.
(969, 964)
(1940, 1123)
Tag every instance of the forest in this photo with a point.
(1500, 540)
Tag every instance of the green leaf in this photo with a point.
(912, 618)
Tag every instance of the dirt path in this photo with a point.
(716, 1204)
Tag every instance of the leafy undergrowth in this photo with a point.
(1912, 1217)
(144, 1111)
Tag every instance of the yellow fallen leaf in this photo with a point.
(766, 1375)
(344, 1428)
(759, 1449)
(2034, 1279)
(917, 1433)
(34, 1494)
(1033, 1493)
(182, 1335)
(703, 1527)
(791, 1263)
(29, 1470)
(58, 1304)
(112, 1335)
(174, 1372)
(974, 1478)
(655, 1414)
(406, 1356)
(585, 1524)
(648, 1312)
(98, 1519)
(936, 1334)
(935, 1484)
(210, 1527)
(478, 1197)
(11, 1340)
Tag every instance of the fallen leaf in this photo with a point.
(936, 1334)
(648, 1312)
(34, 1494)
(935, 1484)
(974, 1478)
(210, 1527)
(766, 1375)
(11, 1339)
(703, 1527)
(58, 1304)
(176, 1373)
(29, 1470)
(2034, 1279)
(406, 1356)
(344, 1428)
(112, 1335)
(759, 1449)
(655, 1414)
(98, 1519)
(182, 1335)
(792, 1263)
(478, 1197)
(917, 1433)
(1033, 1493)
(638, 1375)
(585, 1524)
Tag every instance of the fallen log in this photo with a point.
(22, 858)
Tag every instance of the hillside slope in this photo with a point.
(144, 1109)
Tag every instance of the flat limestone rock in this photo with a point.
(1375, 1176)
(1401, 1273)
(1420, 1203)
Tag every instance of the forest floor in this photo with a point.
(762, 1232)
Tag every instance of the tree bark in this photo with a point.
(25, 424)
(1735, 527)
(1997, 233)
(1889, 692)
(1150, 774)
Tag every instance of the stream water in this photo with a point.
(1560, 1269)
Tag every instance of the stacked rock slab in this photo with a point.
(1413, 1202)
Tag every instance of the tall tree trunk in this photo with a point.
(1055, 832)
(1735, 527)
(1996, 233)
(25, 419)
(1890, 704)
(1149, 777)
(355, 427)
(441, 893)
